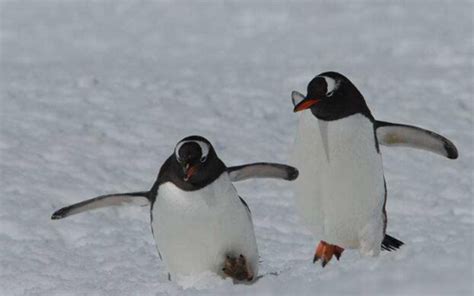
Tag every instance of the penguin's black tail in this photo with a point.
(390, 243)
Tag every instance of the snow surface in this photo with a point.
(94, 96)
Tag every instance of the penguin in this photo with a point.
(341, 192)
(198, 220)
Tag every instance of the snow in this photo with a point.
(95, 95)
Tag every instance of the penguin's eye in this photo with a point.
(203, 159)
(331, 85)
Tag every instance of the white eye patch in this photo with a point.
(204, 148)
(296, 97)
(331, 85)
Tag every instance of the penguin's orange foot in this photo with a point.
(237, 268)
(325, 251)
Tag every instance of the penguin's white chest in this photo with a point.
(195, 230)
(340, 190)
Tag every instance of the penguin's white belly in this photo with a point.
(194, 231)
(340, 189)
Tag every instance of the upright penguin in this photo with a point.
(198, 220)
(341, 192)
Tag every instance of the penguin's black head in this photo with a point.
(331, 96)
(197, 162)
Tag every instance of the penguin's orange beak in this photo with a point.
(189, 171)
(306, 104)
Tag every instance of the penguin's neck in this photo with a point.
(339, 109)
(170, 169)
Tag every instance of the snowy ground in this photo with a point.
(94, 95)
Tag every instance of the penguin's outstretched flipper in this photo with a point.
(138, 198)
(262, 170)
(394, 134)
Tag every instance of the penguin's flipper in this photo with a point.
(262, 170)
(138, 198)
(394, 134)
